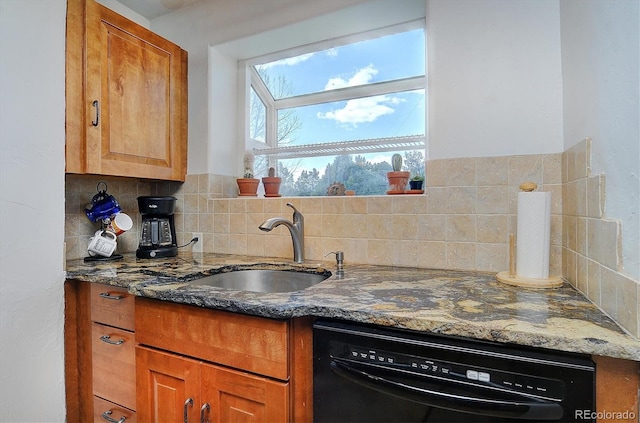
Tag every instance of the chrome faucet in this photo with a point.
(296, 228)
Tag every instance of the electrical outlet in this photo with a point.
(196, 247)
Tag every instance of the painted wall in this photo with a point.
(493, 65)
(495, 83)
(217, 34)
(600, 61)
(32, 140)
(119, 8)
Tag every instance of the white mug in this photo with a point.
(102, 243)
(120, 223)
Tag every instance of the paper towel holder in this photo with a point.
(510, 277)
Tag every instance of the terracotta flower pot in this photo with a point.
(397, 181)
(271, 186)
(248, 187)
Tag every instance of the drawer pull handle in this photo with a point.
(107, 339)
(96, 104)
(108, 296)
(187, 403)
(107, 416)
(205, 408)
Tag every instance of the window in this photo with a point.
(336, 111)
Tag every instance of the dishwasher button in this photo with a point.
(472, 374)
(484, 377)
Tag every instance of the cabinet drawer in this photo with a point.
(112, 306)
(105, 411)
(255, 344)
(114, 372)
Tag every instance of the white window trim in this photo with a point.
(269, 148)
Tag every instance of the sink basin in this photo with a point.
(263, 280)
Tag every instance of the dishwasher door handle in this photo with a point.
(440, 398)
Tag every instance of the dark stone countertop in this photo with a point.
(446, 302)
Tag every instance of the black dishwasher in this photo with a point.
(372, 374)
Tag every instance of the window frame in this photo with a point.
(253, 81)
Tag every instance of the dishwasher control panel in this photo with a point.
(422, 366)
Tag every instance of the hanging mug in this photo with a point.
(102, 205)
(120, 223)
(102, 243)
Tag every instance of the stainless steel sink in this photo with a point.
(263, 280)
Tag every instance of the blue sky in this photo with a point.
(381, 59)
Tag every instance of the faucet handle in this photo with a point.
(297, 216)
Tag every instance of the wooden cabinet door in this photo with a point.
(236, 396)
(168, 387)
(135, 100)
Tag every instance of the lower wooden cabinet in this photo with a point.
(113, 359)
(264, 369)
(108, 412)
(172, 388)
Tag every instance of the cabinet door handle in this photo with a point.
(203, 411)
(187, 403)
(107, 416)
(96, 104)
(107, 339)
(108, 296)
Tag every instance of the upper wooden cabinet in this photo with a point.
(126, 97)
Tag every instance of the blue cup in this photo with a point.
(102, 207)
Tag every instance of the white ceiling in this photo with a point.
(151, 9)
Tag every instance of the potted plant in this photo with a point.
(416, 182)
(271, 184)
(397, 178)
(248, 185)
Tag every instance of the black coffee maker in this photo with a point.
(158, 232)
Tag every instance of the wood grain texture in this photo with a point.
(112, 306)
(237, 396)
(139, 81)
(103, 408)
(77, 340)
(617, 386)
(74, 87)
(114, 372)
(245, 342)
(301, 353)
(165, 382)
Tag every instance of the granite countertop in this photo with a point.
(447, 302)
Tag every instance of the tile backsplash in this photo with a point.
(463, 221)
(592, 243)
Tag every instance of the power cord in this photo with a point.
(193, 241)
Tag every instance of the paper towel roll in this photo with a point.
(533, 234)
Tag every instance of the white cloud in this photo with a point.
(361, 77)
(362, 110)
(290, 61)
(332, 52)
(381, 158)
